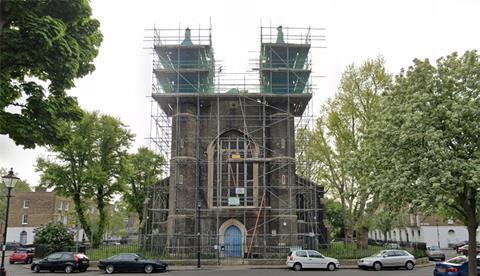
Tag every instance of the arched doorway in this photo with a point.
(233, 242)
(23, 237)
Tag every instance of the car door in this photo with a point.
(303, 258)
(388, 258)
(66, 258)
(51, 262)
(316, 259)
(121, 263)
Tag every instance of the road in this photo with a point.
(20, 270)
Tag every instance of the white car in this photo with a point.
(300, 259)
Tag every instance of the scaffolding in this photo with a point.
(234, 156)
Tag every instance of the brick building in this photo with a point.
(29, 210)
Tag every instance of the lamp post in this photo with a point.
(198, 233)
(438, 235)
(9, 180)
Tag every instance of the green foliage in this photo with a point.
(144, 168)
(427, 138)
(88, 167)
(43, 43)
(55, 235)
(344, 164)
(334, 215)
(21, 186)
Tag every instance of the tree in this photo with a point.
(144, 168)
(338, 144)
(21, 186)
(88, 167)
(53, 235)
(428, 139)
(334, 215)
(43, 43)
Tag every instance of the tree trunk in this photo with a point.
(385, 240)
(140, 215)
(472, 226)
(362, 238)
(347, 227)
(102, 222)
(81, 215)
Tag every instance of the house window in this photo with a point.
(24, 219)
(23, 237)
(26, 204)
(284, 179)
(66, 205)
(180, 179)
(60, 205)
(232, 171)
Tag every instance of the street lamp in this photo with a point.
(9, 180)
(198, 233)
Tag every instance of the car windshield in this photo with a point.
(434, 248)
(458, 260)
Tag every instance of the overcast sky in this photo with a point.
(355, 30)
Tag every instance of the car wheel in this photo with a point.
(331, 266)
(68, 269)
(36, 268)
(29, 261)
(148, 268)
(109, 269)
(377, 266)
(409, 265)
(11, 262)
(297, 266)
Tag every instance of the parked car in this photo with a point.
(435, 253)
(388, 258)
(464, 249)
(66, 261)
(130, 262)
(300, 259)
(458, 245)
(23, 255)
(12, 245)
(457, 266)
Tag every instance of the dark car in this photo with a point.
(458, 245)
(66, 261)
(457, 266)
(12, 246)
(130, 262)
(464, 249)
(23, 255)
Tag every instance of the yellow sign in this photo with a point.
(236, 156)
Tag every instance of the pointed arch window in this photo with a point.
(233, 172)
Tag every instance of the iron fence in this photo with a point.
(182, 247)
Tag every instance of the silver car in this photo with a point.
(388, 258)
(300, 259)
(434, 253)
